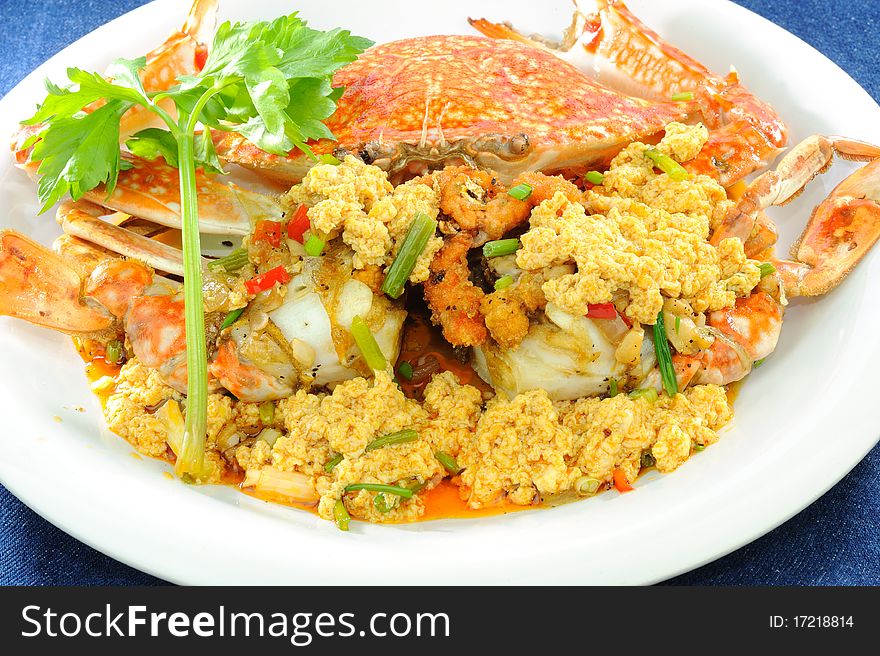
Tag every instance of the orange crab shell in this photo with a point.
(430, 92)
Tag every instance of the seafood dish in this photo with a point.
(474, 279)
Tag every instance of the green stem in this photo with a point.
(191, 460)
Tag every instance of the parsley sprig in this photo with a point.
(269, 81)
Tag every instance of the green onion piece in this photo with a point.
(405, 369)
(367, 344)
(231, 318)
(612, 387)
(341, 516)
(766, 269)
(503, 282)
(501, 247)
(378, 487)
(520, 191)
(586, 486)
(594, 177)
(758, 363)
(416, 487)
(232, 262)
(684, 95)
(381, 503)
(647, 393)
(420, 231)
(330, 464)
(647, 460)
(664, 357)
(267, 412)
(313, 246)
(113, 351)
(449, 463)
(406, 435)
(677, 323)
(191, 459)
(666, 164)
(329, 159)
(699, 447)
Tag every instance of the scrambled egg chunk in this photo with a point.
(132, 411)
(138, 387)
(528, 448)
(319, 428)
(357, 201)
(651, 242)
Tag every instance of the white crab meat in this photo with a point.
(324, 297)
(568, 356)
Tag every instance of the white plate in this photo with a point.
(802, 421)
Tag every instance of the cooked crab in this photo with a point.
(422, 103)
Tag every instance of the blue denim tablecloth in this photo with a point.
(834, 541)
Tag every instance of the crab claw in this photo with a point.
(794, 172)
(842, 229)
(77, 221)
(183, 53)
(151, 190)
(40, 287)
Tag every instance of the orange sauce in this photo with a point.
(425, 349)
(444, 502)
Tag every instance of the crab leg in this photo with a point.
(804, 162)
(183, 53)
(79, 223)
(151, 190)
(842, 228)
(841, 231)
(623, 53)
(42, 288)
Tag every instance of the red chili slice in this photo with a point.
(620, 481)
(601, 311)
(299, 224)
(201, 57)
(269, 232)
(267, 280)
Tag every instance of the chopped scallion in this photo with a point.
(520, 191)
(586, 486)
(405, 435)
(329, 159)
(113, 351)
(330, 464)
(313, 246)
(230, 263)
(406, 493)
(267, 412)
(501, 247)
(420, 231)
(594, 177)
(766, 269)
(699, 447)
(758, 363)
(647, 393)
(503, 282)
(683, 96)
(380, 501)
(449, 463)
(677, 323)
(666, 164)
(664, 357)
(340, 515)
(231, 318)
(612, 387)
(365, 341)
(405, 369)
